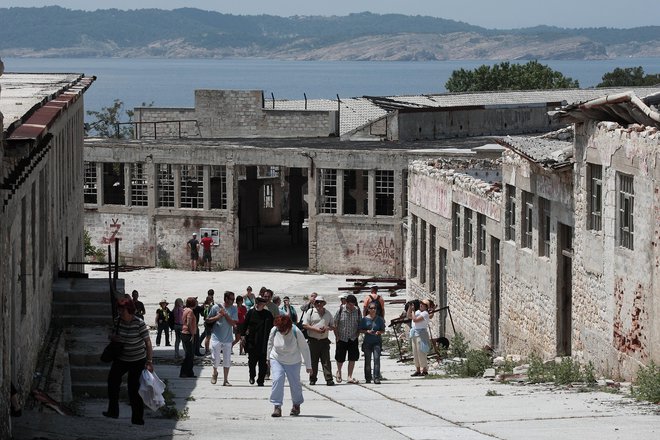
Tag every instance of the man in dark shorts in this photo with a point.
(193, 247)
(347, 322)
(206, 251)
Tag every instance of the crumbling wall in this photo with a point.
(616, 290)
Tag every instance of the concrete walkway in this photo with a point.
(401, 407)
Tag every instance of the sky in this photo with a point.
(499, 14)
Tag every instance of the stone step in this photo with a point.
(89, 373)
(84, 289)
(82, 308)
(95, 320)
(97, 389)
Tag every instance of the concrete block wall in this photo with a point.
(615, 307)
(136, 246)
(354, 247)
(235, 113)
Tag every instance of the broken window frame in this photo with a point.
(191, 178)
(114, 193)
(218, 187)
(595, 197)
(510, 214)
(166, 195)
(384, 180)
(625, 208)
(90, 184)
(527, 218)
(481, 239)
(268, 198)
(352, 179)
(139, 185)
(544, 227)
(468, 232)
(413, 246)
(455, 226)
(327, 197)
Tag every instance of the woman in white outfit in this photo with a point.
(419, 336)
(286, 347)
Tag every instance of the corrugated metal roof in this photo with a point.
(356, 112)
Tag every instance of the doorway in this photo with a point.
(564, 290)
(273, 218)
(494, 293)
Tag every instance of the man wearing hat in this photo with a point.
(193, 247)
(318, 322)
(162, 322)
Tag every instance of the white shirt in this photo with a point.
(424, 323)
(288, 348)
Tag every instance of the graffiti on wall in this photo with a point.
(384, 251)
(113, 230)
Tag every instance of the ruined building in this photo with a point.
(41, 161)
(561, 256)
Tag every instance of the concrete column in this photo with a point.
(176, 175)
(99, 183)
(127, 184)
(312, 192)
(340, 192)
(206, 185)
(232, 214)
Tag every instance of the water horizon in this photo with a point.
(169, 82)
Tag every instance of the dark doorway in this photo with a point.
(564, 290)
(273, 218)
(494, 293)
(442, 290)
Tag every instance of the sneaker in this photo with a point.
(277, 412)
(377, 381)
(416, 374)
(295, 411)
(214, 378)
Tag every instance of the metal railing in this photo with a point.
(138, 133)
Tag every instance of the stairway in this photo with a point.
(82, 307)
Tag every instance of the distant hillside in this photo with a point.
(192, 33)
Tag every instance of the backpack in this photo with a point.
(379, 308)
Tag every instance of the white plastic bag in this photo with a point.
(151, 390)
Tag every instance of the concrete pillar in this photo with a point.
(371, 194)
(176, 175)
(340, 192)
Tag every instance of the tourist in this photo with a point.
(222, 318)
(270, 305)
(177, 312)
(197, 311)
(163, 322)
(206, 243)
(318, 322)
(347, 324)
(288, 310)
(374, 297)
(255, 331)
(286, 348)
(419, 336)
(208, 325)
(372, 326)
(188, 332)
(249, 298)
(242, 311)
(193, 248)
(135, 356)
(140, 311)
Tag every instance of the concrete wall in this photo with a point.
(36, 216)
(616, 290)
(235, 113)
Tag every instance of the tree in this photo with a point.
(108, 120)
(630, 76)
(507, 76)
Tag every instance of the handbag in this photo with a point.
(113, 350)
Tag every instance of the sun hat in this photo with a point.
(319, 298)
(163, 301)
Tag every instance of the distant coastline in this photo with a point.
(188, 33)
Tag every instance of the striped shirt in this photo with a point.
(347, 323)
(132, 334)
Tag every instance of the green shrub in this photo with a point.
(647, 385)
(474, 364)
(537, 371)
(566, 372)
(459, 346)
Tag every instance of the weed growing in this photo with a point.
(647, 385)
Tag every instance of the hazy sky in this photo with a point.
(486, 13)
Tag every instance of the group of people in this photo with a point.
(193, 245)
(268, 329)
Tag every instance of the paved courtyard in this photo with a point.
(401, 407)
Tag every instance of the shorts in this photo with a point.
(225, 348)
(194, 255)
(206, 255)
(350, 347)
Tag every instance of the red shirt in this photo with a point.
(207, 242)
